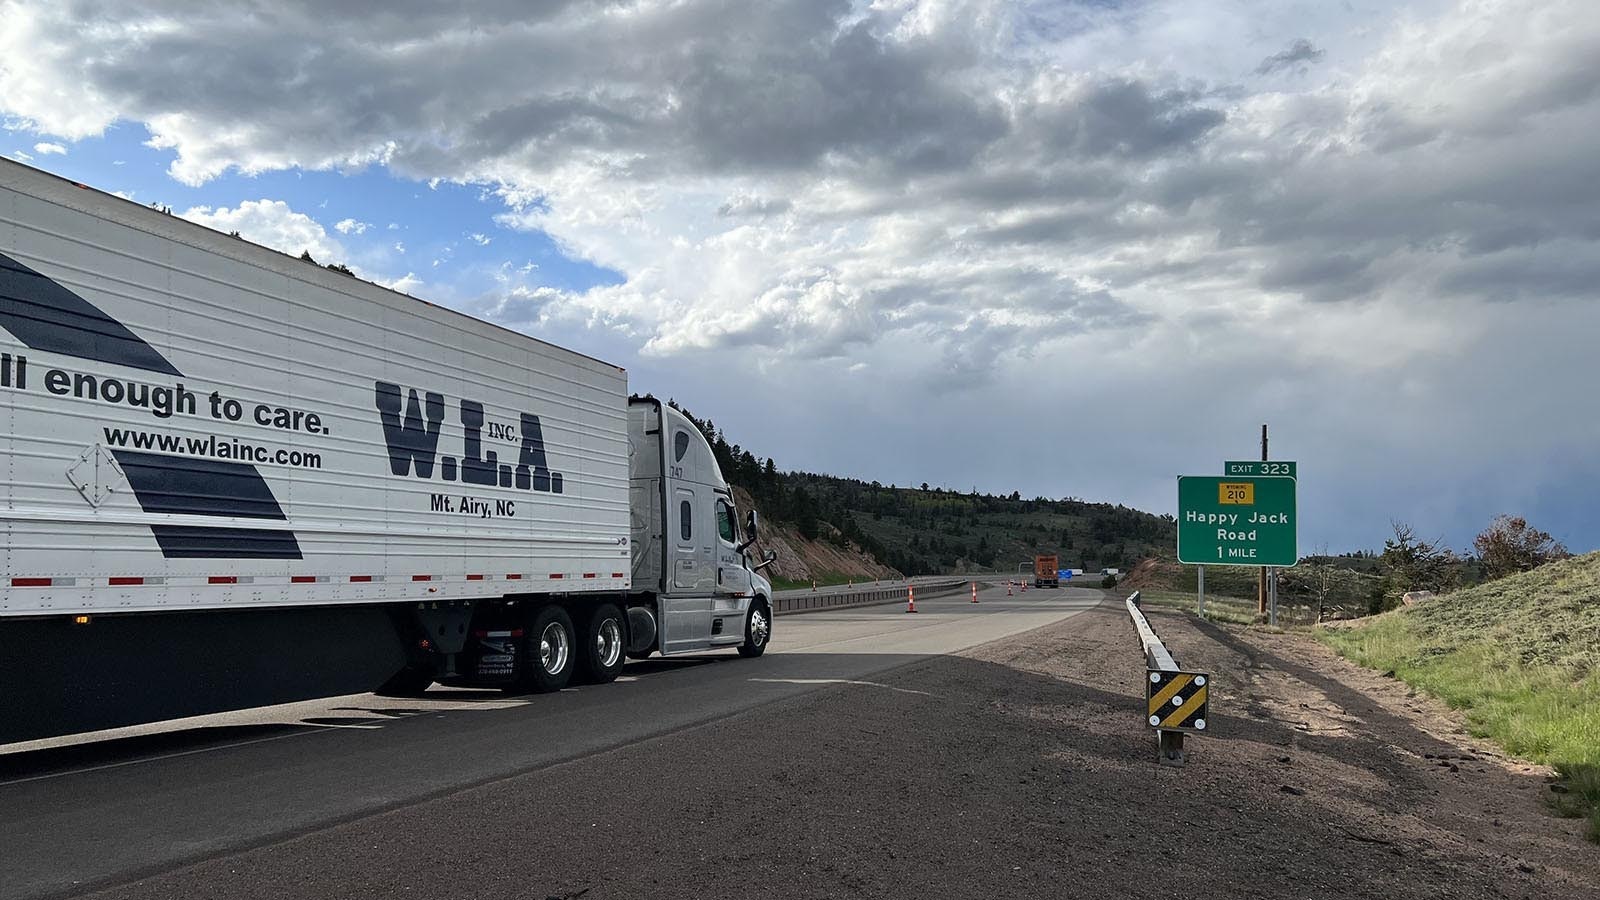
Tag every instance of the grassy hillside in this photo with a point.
(1520, 655)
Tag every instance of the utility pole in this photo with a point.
(1261, 580)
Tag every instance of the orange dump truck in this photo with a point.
(1045, 573)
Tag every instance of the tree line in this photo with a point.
(925, 529)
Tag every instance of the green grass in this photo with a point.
(1520, 656)
(1238, 610)
(828, 579)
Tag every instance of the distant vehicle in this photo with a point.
(236, 478)
(1045, 573)
(1076, 573)
(1110, 571)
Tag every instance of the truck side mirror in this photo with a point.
(767, 559)
(750, 528)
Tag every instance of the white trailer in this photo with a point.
(237, 477)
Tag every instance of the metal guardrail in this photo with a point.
(1175, 700)
(835, 599)
(1156, 655)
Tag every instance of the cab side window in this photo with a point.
(725, 521)
(686, 520)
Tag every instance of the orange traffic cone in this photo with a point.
(1008, 589)
(911, 598)
(974, 592)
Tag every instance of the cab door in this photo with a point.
(733, 580)
(731, 575)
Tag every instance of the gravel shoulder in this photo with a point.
(1021, 768)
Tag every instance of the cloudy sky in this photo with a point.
(1066, 248)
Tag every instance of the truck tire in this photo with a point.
(408, 682)
(601, 645)
(757, 630)
(549, 653)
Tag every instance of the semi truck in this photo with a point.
(235, 477)
(1045, 573)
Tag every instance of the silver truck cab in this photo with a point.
(692, 572)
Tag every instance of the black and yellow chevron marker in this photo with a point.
(1177, 700)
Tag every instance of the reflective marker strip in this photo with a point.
(140, 580)
(1183, 712)
(1172, 687)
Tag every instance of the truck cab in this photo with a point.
(695, 586)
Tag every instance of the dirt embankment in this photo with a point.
(803, 560)
(1151, 574)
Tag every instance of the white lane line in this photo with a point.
(149, 759)
(840, 681)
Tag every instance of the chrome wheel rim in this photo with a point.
(759, 628)
(553, 648)
(608, 643)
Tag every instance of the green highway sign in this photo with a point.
(1237, 521)
(1248, 468)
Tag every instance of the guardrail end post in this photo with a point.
(1169, 748)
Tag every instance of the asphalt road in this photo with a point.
(92, 814)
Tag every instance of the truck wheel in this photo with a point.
(757, 630)
(408, 682)
(601, 646)
(548, 652)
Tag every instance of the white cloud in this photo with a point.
(273, 224)
(399, 247)
(408, 283)
(20, 156)
(46, 149)
(481, 240)
(351, 226)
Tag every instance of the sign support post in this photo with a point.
(1272, 596)
(1261, 584)
(1201, 584)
